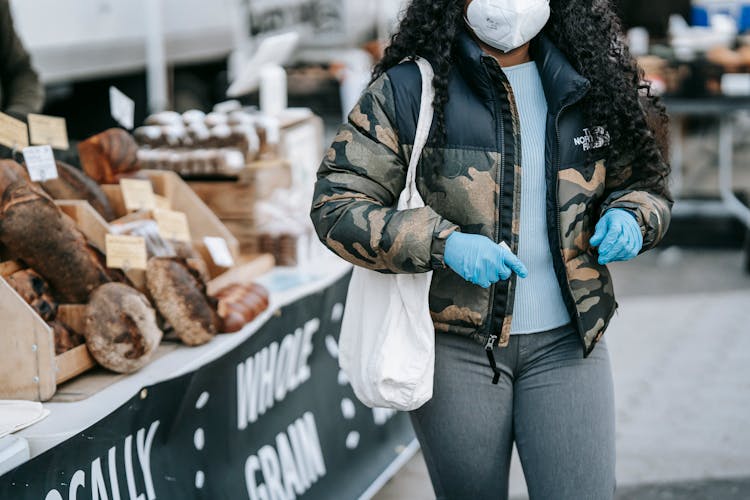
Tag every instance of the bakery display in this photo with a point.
(109, 156)
(34, 229)
(180, 296)
(73, 184)
(53, 238)
(239, 305)
(121, 329)
(196, 144)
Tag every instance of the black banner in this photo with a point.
(273, 419)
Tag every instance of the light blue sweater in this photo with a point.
(539, 304)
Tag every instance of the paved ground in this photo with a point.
(681, 355)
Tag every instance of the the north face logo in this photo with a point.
(593, 138)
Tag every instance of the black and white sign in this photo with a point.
(40, 162)
(317, 16)
(122, 108)
(274, 419)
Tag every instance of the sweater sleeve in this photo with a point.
(358, 186)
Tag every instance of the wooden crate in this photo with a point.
(29, 368)
(235, 200)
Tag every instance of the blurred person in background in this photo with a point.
(21, 91)
(541, 140)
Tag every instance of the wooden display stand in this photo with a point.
(29, 368)
(234, 201)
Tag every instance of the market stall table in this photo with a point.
(265, 411)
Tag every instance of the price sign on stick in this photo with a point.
(13, 133)
(122, 108)
(172, 225)
(40, 162)
(138, 194)
(48, 130)
(126, 252)
(219, 251)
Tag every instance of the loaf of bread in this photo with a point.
(73, 184)
(180, 296)
(108, 156)
(34, 291)
(121, 330)
(65, 338)
(34, 229)
(11, 173)
(239, 305)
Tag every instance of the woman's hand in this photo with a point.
(480, 260)
(618, 237)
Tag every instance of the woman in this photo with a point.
(541, 142)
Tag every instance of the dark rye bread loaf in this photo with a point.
(180, 296)
(121, 330)
(34, 291)
(108, 156)
(11, 173)
(73, 184)
(36, 231)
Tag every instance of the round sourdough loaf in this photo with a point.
(121, 330)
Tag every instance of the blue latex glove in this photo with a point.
(480, 260)
(618, 237)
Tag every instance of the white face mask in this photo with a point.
(507, 24)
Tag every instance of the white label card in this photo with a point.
(126, 252)
(172, 225)
(138, 194)
(219, 251)
(122, 108)
(40, 162)
(48, 130)
(13, 133)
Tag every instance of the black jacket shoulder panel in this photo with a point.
(406, 82)
(466, 115)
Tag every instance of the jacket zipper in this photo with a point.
(493, 338)
(500, 178)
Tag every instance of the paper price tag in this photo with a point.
(126, 252)
(13, 133)
(138, 194)
(162, 202)
(172, 225)
(40, 162)
(122, 108)
(48, 130)
(219, 251)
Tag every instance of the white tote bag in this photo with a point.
(387, 344)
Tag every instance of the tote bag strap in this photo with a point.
(424, 124)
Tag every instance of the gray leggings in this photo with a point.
(555, 405)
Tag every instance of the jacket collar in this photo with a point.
(563, 85)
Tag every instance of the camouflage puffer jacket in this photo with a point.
(477, 190)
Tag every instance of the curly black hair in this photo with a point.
(590, 34)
